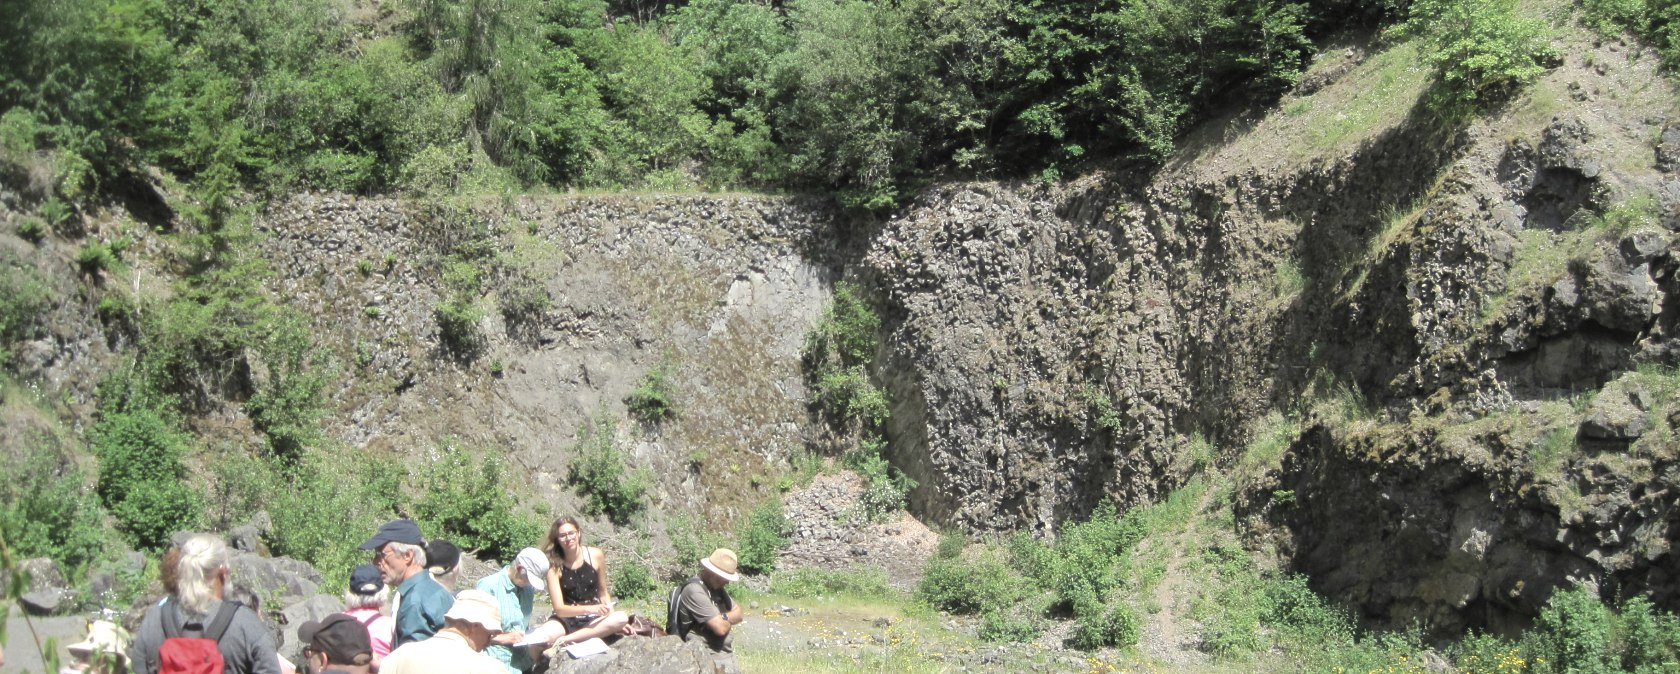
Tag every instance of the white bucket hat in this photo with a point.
(476, 606)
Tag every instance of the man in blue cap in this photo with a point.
(400, 554)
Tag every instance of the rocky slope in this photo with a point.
(1470, 326)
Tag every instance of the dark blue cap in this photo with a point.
(395, 531)
(365, 580)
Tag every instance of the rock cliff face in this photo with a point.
(1470, 289)
(720, 291)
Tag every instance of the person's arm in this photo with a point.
(727, 620)
(259, 645)
(601, 577)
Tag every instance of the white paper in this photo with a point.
(584, 649)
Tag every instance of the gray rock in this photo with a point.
(658, 655)
(1643, 245)
(49, 601)
(294, 615)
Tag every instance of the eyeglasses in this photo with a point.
(567, 534)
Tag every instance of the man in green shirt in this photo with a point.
(514, 589)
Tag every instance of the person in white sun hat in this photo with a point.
(104, 651)
(458, 648)
(705, 611)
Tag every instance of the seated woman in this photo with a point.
(577, 584)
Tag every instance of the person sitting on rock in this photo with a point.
(363, 601)
(515, 590)
(400, 555)
(577, 582)
(469, 626)
(336, 645)
(197, 610)
(705, 612)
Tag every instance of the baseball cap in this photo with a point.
(395, 531)
(535, 564)
(365, 580)
(343, 640)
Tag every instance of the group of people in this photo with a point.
(429, 627)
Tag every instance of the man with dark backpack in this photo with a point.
(701, 609)
(194, 631)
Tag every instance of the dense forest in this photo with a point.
(852, 97)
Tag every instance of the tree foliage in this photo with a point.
(859, 98)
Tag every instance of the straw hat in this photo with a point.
(723, 563)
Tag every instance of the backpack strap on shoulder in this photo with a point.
(171, 620)
(224, 617)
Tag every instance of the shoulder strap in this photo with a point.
(224, 617)
(171, 621)
(370, 619)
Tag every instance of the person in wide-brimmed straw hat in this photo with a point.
(458, 648)
(705, 611)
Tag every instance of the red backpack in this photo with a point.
(193, 650)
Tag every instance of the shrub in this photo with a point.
(860, 582)
(1003, 625)
(1096, 628)
(599, 474)
(651, 401)
(95, 257)
(140, 447)
(23, 298)
(1292, 608)
(970, 585)
(1482, 52)
(47, 510)
(467, 495)
(327, 504)
(631, 579)
(762, 535)
(885, 488)
(32, 229)
(287, 405)
(690, 543)
(848, 395)
(457, 320)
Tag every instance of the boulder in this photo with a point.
(1617, 414)
(290, 578)
(48, 593)
(296, 614)
(657, 655)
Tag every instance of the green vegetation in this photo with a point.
(465, 493)
(459, 313)
(761, 536)
(47, 510)
(23, 298)
(1483, 52)
(140, 446)
(601, 475)
(1657, 21)
(650, 402)
(861, 582)
(852, 97)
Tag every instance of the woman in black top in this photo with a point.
(577, 581)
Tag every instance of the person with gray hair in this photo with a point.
(363, 601)
(400, 555)
(196, 610)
